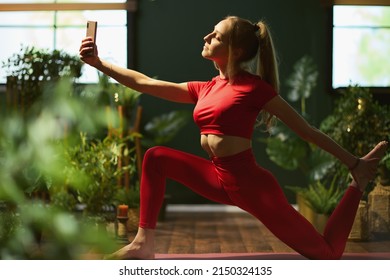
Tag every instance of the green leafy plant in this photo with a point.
(386, 161)
(357, 122)
(163, 128)
(322, 196)
(29, 70)
(99, 160)
(283, 146)
(33, 153)
(322, 199)
(108, 93)
(37, 65)
(303, 81)
(129, 197)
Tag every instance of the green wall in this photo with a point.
(168, 43)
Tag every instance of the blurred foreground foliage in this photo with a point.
(33, 158)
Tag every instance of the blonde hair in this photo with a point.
(255, 42)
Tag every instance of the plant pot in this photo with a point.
(359, 231)
(305, 209)
(320, 221)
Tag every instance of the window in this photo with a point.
(60, 24)
(361, 46)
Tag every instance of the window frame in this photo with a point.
(130, 6)
(382, 93)
(331, 3)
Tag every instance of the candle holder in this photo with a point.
(121, 229)
(121, 224)
(122, 210)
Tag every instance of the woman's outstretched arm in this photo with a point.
(176, 92)
(360, 168)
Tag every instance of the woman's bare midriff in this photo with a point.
(224, 145)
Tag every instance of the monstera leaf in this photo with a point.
(286, 153)
(285, 148)
(163, 128)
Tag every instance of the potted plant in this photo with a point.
(321, 197)
(29, 71)
(98, 160)
(358, 123)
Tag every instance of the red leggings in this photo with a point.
(238, 180)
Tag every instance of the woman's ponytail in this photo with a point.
(267, 67)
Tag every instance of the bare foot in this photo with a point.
(132, 251)
(141, 248)
(366, 169)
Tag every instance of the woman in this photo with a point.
(226, 111)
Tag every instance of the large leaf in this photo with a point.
(287, 153)
(164, 127)
(303, 80)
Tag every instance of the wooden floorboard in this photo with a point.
(205, 237)
(225, 232)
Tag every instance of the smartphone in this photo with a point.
(92, 29)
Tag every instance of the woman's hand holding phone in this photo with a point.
(88, 50)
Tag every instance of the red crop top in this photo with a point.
(225, 109)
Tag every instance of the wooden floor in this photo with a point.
(185, 232)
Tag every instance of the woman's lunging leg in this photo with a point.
(159, 164)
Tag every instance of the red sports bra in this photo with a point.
(229, 109)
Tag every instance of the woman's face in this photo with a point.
(216, 47)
